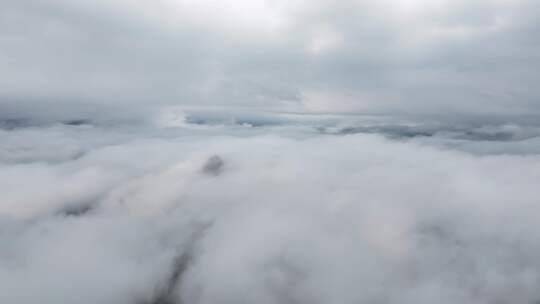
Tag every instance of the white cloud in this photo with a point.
(304, 218)
(323, 41)
(196, 152)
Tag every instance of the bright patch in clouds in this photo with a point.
(325, 40)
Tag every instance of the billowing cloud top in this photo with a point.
(400, 56)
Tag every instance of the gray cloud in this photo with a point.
(182, 151)
(406, 56)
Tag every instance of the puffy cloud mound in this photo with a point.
(237, 214)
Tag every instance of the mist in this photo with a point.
(273, 214)
(272, 152)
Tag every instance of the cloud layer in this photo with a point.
(413, 56)
(269, 151)
(237, 214)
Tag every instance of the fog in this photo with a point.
(269, 151)
(282, 213)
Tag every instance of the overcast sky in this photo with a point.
(412, 56)
(161, 151)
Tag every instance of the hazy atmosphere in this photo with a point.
(269, 151)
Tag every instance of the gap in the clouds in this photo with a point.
(76, 210)
(63, 134)
(169, 292)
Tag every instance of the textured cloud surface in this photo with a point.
(269, 151)
(414, 56)
(279, 214)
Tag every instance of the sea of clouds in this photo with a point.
(191, 208)
(269, 151)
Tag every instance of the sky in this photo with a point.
(269, 151)
(402, 56)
